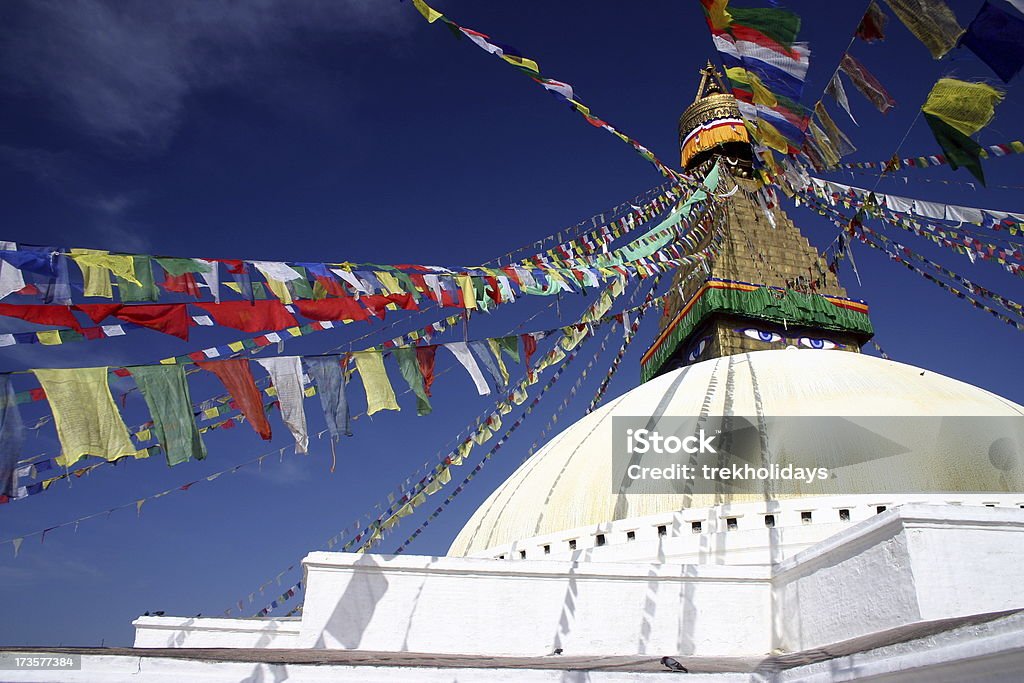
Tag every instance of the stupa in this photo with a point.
(905, 566)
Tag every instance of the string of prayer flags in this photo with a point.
(166, 393)
(85, 414)
(931, 21)
(236, 376)
(286, 378)
(379, 394)
(996, 37)
(12, 436)
(462, 354)
(766, 68)
(866, 83)
(987, 152)
(872, 24)
(330, 382)
(531, 69)
(410, 369)
(954, 111)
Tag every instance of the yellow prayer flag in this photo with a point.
(236, 346)
(85, 414)
(718, 15)
(49, 337)
(379, 394)
(97, 265)
(428, 12)
(968, 107)
(280, 290)
(389, 281)
(468, 291)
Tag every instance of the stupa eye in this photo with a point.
(812, 343)
(762, 335)
(698, 350)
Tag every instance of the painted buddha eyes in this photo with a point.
(769, 337)
(698, 350)
(762, 335)
(812, 343)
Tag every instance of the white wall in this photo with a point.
(905, 566)
(480, 606)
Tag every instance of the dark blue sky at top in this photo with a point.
(352, 130)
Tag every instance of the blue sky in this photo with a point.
(352, 130)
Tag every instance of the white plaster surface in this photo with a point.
(891, 570)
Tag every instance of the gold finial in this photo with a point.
(710, 82)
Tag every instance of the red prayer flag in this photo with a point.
(42, 314)
(342, 308)
(237, 378)
(167, 318)
(250, 316)
(97, 312)
(529, 348)
(182, 284)
(425, 359)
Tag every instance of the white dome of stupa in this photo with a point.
(568, 483)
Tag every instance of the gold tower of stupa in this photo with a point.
(768, 287)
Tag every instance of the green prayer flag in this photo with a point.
(166, 393)
(410, 369)
(146, 289)
(778, 24)
(299, 288)
(180, 266)
(960, 150)
(510, 345)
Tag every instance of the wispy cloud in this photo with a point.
(36, 569)
(124, 71)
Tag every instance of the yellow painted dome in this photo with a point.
(568, 483)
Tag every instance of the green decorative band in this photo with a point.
(755, 301)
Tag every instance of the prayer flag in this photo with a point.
(145, 287)
(407, 363)
(996, 37)
(255, 316)
(330, 381)
(872, 25)
(286, 376)
(236, 376)
(42, 314)
(960, 150)
(866, 83)
(968, 107)
(12, 436)
(425, 358)
(166, 393)
(461, 352)
(482, 352)
(379, 394)
(932, 21)
(85, 414)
